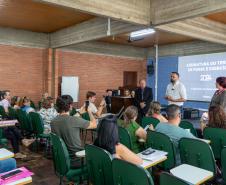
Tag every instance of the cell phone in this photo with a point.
(148, 152)
(11, 174)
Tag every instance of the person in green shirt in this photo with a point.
(135, 130)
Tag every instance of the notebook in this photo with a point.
(5, 154)
(153, 156)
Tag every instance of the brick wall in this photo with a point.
(23, 71)
(28, 71)
(98, 72)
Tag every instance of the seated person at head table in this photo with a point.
(108, 139)
(215, 118)
(90, 100)
(132, 94)
(7, 165)
(172, 129)
(47, 112)
(15, 102)
(26, 105)
(127, 93)
(68, 127)
(154, 111)
(135, 130)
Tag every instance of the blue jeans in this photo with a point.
(7, 165)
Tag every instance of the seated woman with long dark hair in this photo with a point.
(108, 139)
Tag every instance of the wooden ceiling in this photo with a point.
(159, 37)
(38, 17)
(219, 17)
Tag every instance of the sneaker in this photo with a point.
(19, 155)
(27, 142)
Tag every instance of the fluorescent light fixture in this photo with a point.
(142, 33)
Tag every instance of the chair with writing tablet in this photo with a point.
(125, 173)
(197, 153)
(160, 141)
(149, 120)
(61, 161)
(124, 137)
(99, 163)
(169, 179)
(217, 136)
(2, 112)
(223, 163)
(188, 125)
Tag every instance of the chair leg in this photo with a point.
(61, 180)
(85, 137)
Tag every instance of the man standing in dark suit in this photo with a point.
(143, 97)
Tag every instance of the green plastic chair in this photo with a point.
(3, 140)
(12, 113)
(33, 105)
(25, 122)
(217, 136)
(197, 153)
(124, 137)
(86, 116)
(38, 128)
(160, 141)
(188, 125)
(73, 112)
(149, 120)
(2, 112)
(61, 161)
(169, 179)
(223, 163)
(99, 163)
(125, 173)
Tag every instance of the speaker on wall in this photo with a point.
(150, 68)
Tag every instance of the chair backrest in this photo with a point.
(32, 105)
(217, 136)
(12, 113)
(86, 116)
(167, 178)
(99, 163)
(125, 173)
(2, 112)
(37, 122)
(24, 120)
(161, 141)
(149, 120)
(61, 158)
(73, 111)
(197, 153)
(124, 137)
(188, 125)
(223, 163)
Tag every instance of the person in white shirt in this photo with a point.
(91, 98)
(176, 91)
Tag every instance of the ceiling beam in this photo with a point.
(187, 48)
(110, 49)
(166, 11)
(199, 28)
(136, 11)
(17, 37)
(89, 30)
